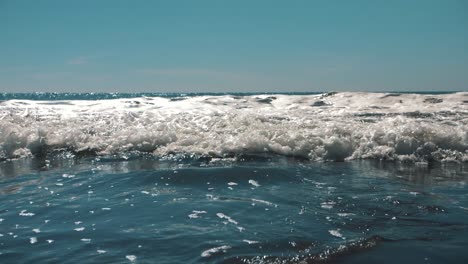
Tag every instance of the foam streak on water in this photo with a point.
(341, 126)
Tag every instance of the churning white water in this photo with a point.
(334, 126)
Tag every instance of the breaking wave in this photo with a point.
(325, 127)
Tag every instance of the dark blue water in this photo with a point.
(104, 96)
(98, 210)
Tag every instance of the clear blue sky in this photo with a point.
(237, 46)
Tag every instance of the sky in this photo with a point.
(233, 46)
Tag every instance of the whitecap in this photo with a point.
(196, 214)
(336, 233)
(211, 251)
(263, 202)
(344, 126)
(327, 205)
(254, 183)
(250, 241)
(229, 219)
(25, 213)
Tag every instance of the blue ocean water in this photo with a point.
(91, 211)
(62, 204)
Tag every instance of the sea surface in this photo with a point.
(234, 178)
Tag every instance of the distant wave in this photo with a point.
(104, 96)
(322, 127)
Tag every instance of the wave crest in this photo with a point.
(342, 126)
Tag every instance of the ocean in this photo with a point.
(342, 177)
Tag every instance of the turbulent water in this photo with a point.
(243, 178)
(337, 127)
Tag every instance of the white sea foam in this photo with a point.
(342, 126)
(327, 205)
(250, 241)
(336, 233)
(196, 214)
(211, 251)
(254, 183)
(25, 213)
(229, 219)
(345, 214)
(264, 202)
